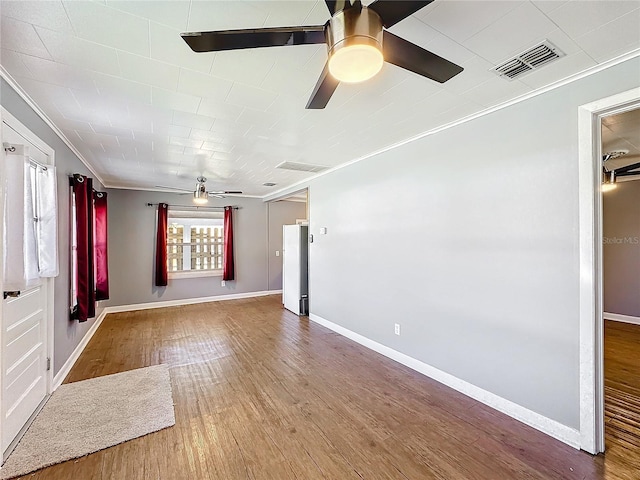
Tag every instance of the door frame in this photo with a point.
(590, 267)
(47, 283)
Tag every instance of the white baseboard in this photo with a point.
(66, 368)
(621, 318)
(546, 425)
(188, 301)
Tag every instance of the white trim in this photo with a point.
(34, 106)
(73, 358)
(590, 71)
(590, 264)
(188, 301)
(546, 425)
(618, 317)
(194, 274)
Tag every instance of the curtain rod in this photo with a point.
(192, 206)
(11, 148)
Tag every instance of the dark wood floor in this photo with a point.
(622, 390)
(261, 394)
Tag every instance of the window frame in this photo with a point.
(191, 218)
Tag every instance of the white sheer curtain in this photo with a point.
(47, 226)
(20, 252)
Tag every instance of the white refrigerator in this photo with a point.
(295, 269)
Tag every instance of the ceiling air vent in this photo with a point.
(301, 167)
(529, 60)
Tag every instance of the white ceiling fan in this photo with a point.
(200, 194)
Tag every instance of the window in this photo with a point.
(195, 243)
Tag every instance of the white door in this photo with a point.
(25, 337)
(291, 267)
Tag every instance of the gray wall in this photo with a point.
(469, 239)
(280, 213)
(132, 233)
(621, 249)
(67, 333)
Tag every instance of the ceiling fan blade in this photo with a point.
(627, 170)
(392, 11)
(323, 90)
(226, 192)
(337, 5)
(174, 188)
(253, 38)
(410, 56)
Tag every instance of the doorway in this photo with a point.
(26, 336)
(621, 282)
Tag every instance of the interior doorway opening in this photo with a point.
(620, 136)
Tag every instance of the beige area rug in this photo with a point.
(83, 417)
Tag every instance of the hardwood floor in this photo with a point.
(261, 394)
(622, 392)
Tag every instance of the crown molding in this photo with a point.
(34, 106)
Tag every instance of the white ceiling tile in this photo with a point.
(251, 116)
(192, 121)
(172, 13)
(318, 15)
(547, 6)
(58, 73)
(111, 86)
(185, 142)
(168, 46)
(50, 14)
(21, 37)
(247, 96)
(476, 71)
(217, 109)
(523, 27)
(224, 15)
(174, 101)
(202, 85)
(496, 91)
(415, 31)
(12, 62)
(68, 125)
(291, 14)
(561, 68)
(179, 131)
(449, 49)
(577, 18)
(602, 44)
(107, 26)
(247, 66)
(112, 131)
(152, 72)
(461, 20)
(79, 53)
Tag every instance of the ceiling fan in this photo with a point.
(611, 174)
(200, 194)
(356, 39)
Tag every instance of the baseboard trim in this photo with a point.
(188, 301)
(618, 317)
(68, 365)
(546, 425)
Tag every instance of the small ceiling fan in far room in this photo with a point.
(200, 194)
(356, 39)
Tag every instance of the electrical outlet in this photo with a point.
(223, 283)
(397, 329)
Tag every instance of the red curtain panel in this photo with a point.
(161, 246)
(100, 245)
(228, 271)
(86, 300)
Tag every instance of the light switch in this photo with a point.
(323, 230)
(277, 253)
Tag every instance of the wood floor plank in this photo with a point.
(262, 394)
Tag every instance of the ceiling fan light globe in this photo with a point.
(607, 187)
(200, 197)
(355, 63)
